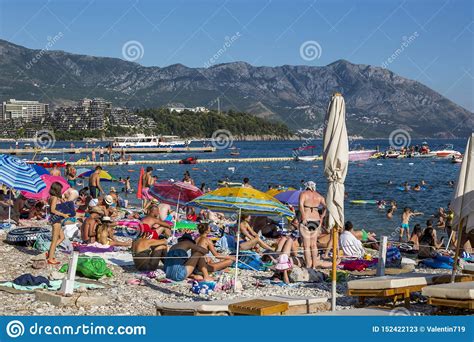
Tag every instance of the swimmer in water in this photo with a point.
(417, 187)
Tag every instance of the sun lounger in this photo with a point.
(395, 287)
(458, 295)
(468, 268)
(296, 306)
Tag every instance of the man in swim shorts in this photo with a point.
(405, 227)
(94, 183)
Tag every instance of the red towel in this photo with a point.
(140, 182)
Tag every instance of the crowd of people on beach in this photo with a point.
(304, 241)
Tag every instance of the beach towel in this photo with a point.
(357, 264)
(249, 260)
(94, 248)
(43, 242)
(203, 287)
(54, 285)
(90, 267)
(118, 258)
(30, 280)
(440, 261)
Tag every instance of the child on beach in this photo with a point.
(56, 218)
(407, 214)
(105, 234)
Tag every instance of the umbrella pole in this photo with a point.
(177, 213)
(10, 207)
(334, 268)
(237, 252)
(458, 249)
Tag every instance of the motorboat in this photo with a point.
(141, 140)
(361, 154)
(447, 152)
(308, 158)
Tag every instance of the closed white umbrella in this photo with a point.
(462, 203)
(336, 159)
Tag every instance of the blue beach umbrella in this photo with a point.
(291, 197)
(18, 175)
(40, 170)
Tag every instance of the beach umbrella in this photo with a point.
(248, 200)
(174, 193)
(40, 170)
(276, 191)
(18, 175)
(104, 175)
(462, 203)
(336, 159)
(44, 194)
(291, 197)
(81, 171)
(241, 200)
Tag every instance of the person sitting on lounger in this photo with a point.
(350, 245)
(148, 252)
(179, 266)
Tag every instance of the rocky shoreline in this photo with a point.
(125, 299)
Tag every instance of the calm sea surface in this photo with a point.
(365, 180)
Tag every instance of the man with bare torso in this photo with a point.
(154, 222)
(55, 171)
(94, 183)
(147, 181)
(311, 222)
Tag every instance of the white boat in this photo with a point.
(447, 152)
(140, 140)
(306, 158)
(360, 155)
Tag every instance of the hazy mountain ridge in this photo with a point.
(378, 101)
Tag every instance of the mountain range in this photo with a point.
(378, 101)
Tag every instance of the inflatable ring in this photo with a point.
(19, 235)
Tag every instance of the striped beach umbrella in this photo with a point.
(241, 200)
(174, 193)
(18, 175)
(246, 200)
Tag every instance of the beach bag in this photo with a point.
(90, 267)
(250, 261)
(43, 243)
(394, 257)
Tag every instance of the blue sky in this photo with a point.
(434, 38)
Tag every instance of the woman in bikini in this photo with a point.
(310, 222)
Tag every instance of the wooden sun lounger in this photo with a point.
(396, 287)
(468, 268)
(457, 295)
(296, 306)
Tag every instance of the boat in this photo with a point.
(188, 160)
(141, 140)
(361, 154)
(391, 154)
(237, 153)
(447, 152)
(48, 164)
(310, 158)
